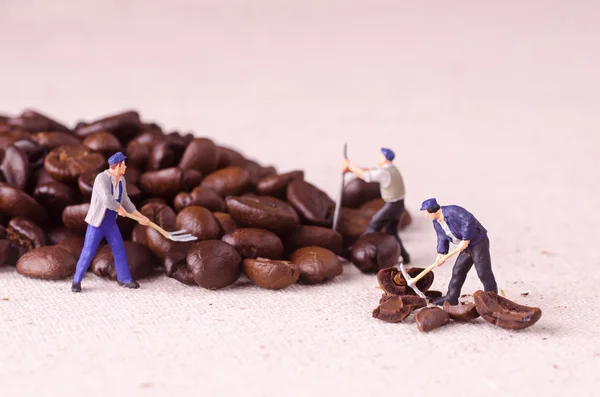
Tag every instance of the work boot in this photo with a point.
(132, 284)
(76, 287)
(440, 301)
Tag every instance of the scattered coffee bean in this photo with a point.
(55, 196)
(57, 235)
(308, 235)
(73, 217)
(168, 182)
(199, 222)
(316, 264)
(176, 266)
(8, 253)
(271, 273)
(392, 310)
(25, 235)
(73, 245)
(431, 318)
(230, 181)
(17, 203)
(253, 243)
(466, 312)
(140, 259)
(14, 168)
(503, 312)
(313, 204)
(48, 262)
(391, 281)
(276, 185)
(66, 163)
(358, 192)
(262, 212)
(214, 264)
(375, 251)
(201, 196)
(226, 221)
(200, 155)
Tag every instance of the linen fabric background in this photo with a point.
(490, 106)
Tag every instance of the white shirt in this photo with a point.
(378, 174)
(453, 238)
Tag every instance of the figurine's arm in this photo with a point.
(126, 202)
(443, 244)
(103, 189)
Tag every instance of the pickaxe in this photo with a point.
(412, 282)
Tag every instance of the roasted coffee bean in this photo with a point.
(66, 163)
(230, 181)
(253, 243)
(392, 282)
(466, 312)
(41, 177)
(150, 135)
(73, 217)
(54, 139)
(8, 253)
(25, 234)
(165, 217)
(85, 182)
(200, 155)
(351, 225)
(49, 262)
(306, 236)
(140, 259)
(200, 196)
(17, 203)
(199, 222)
(33, 121)
(503, 312)
(166, 183)
(58, 234)
(313, 204)
(214, 264)
(270, 273)
(124, 126)
(392, 310)
(431, 318)
(226, 221)
(357, 192)
(162, 156)
(15, 169)
(133, 176)
(137, 155)
(55, 196)
(375, 251)
(254, 169)
(316, 264)
(74, 245)
(34, 152)
(276, 185)
(262, 212)
(176, 267)
(229, 157)
(267, 171)
(8, 136)
(104, 143)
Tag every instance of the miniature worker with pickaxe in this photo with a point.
(457, 225)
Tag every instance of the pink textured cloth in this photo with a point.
(493, 107)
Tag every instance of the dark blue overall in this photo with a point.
(108, 229)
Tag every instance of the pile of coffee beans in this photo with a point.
(274, 227)
(399, 301)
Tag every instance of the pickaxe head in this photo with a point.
(410, 282)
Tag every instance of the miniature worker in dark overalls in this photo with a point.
(109, 197)
(457, 225)
(392, 192)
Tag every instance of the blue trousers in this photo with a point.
(108, 229)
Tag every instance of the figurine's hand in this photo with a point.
(463, 245)
(144, 221)
(439, 261)
(345, 166)
(121, 211)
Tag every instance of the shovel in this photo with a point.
(178, 235)
(412, 282)
(338, 204)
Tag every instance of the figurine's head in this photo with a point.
(387, 155)
(431, 208)
(117, 164)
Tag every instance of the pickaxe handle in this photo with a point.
(430, 268)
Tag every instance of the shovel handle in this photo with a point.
(430, 268)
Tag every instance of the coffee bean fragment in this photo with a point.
(65, 163)
(503, 312)
(314, 205)
(214, 264)
(270, 273)
(316, 264)
(140, 259)
(48, 262)
(375, 251)
(252, 243)
(466, 312)
(262, 212)
(430, 318)
(392, 310)
(392, 282)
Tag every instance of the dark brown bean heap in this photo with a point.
(249, 219)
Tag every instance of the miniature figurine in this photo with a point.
(109, 197)
(457, 225)
(392, 191)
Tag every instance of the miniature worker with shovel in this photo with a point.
(457, 225)
(392, 192)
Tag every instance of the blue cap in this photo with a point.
(388, 153)
(429, 203)
(116, 158)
